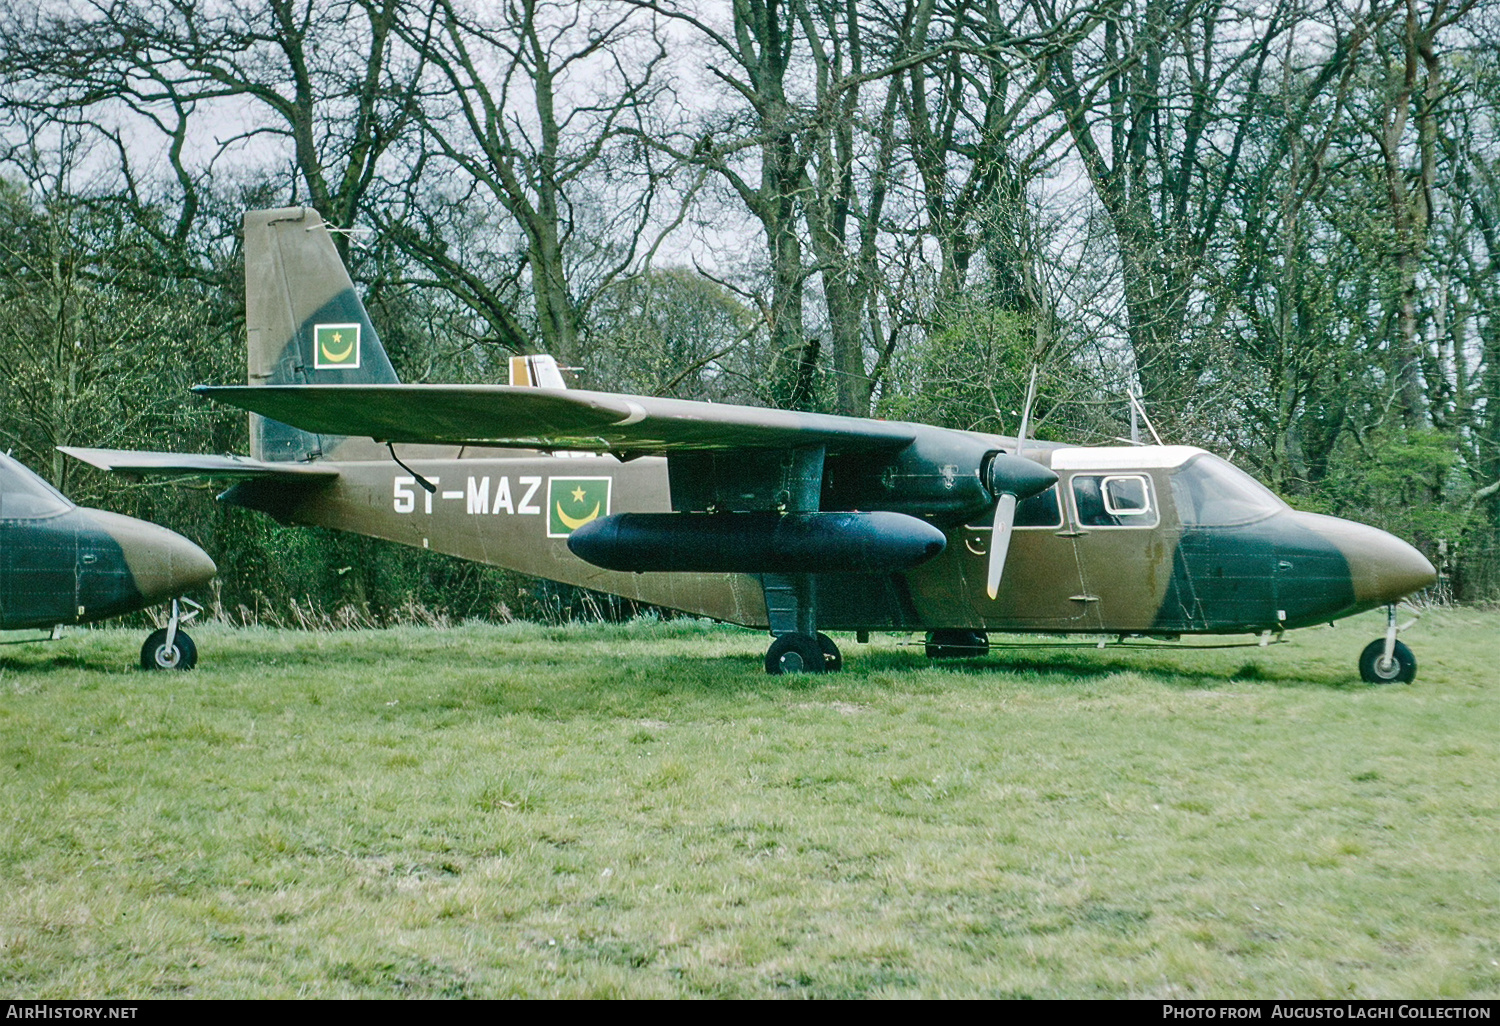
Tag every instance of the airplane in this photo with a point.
(65, 564)
(798, 523)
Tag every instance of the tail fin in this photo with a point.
(536, 372)
(305, 323)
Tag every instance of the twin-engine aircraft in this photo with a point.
(801, 523)
(64, 564)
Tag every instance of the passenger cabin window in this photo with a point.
(1212, 493)
(1039, 510)
(24, 496)
(1117, 500)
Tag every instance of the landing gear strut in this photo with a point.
(1386, 660)
(799, 647)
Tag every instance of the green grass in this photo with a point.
(639, 811)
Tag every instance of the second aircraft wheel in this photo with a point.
(796, 653)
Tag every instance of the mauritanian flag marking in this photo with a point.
(335, 346)
(573, 502)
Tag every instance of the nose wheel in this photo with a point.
(1386, 660)
(159, 654)
(1376, 668)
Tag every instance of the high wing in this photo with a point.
(719, 456)
(542, 418)
(180, 464)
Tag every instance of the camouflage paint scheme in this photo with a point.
(1288, 570)
(65, 564)
(506, 462)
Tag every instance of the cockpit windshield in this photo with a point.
(1213, 493)
(24, 496)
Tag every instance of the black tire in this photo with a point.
(1403, 668)
(183, 655)
(795, 653)
(957, 643)
(833, 659)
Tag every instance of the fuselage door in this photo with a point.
(1042, 573)
(1232, 570)
(1124, 552)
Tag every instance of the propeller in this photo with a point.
(1012, 478)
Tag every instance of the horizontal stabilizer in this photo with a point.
(542, 418)
(185, 464)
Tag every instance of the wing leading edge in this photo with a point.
(537, 418)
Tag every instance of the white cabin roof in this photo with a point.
(1123, 457)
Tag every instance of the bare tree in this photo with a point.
(1407, 98)
(1157, 102)
(326, 80)
(530, 108)
(98, 337)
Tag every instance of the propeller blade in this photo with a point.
(1005, 519)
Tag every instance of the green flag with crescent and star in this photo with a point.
(573, 502)
(335, 346)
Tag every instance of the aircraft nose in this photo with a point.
(187, 565)
(1382, 568)
(162, 563)
(1390, 570)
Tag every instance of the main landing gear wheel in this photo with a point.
(155, 655)
(1402, 667)
(802, 653)
(957, 643)
(833, 659)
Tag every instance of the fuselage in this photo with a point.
(1153, 540)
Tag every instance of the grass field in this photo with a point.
(638, 811)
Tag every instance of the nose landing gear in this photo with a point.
(1386, 660)
(169, 647)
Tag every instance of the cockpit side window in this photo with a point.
(24, 496)
(1039, 510)
(1212, 493)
